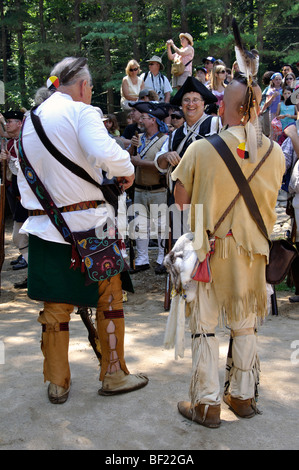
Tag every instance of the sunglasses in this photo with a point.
(289, 78)
(175, 116)
(134, 70)
(222, 71)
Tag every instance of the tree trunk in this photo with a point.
(169, 33)
(41, 21)
(21, 55)
(107, 55)
(184, 19)
(77, 20)
(3, 45)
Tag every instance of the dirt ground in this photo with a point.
(146, 419)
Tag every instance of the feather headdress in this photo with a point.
(248, 63)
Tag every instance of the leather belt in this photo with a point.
(149, 188)
(79, 206)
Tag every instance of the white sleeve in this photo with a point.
(294, 181)
(101, 150)
(167, 86)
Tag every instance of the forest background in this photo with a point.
(36, 34)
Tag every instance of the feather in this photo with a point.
(248, 61)
(71, 70)
(251, 139)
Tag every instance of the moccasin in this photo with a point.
(243, 408)
(119, 382)
(206, 415)
(57, 395)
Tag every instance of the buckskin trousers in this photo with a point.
(242, 361)
(55, 319)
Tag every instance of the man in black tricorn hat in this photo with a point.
(150, 191)
(192, 97)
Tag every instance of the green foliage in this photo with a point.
(109, 33)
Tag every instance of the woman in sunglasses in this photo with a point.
(217, 85)
(131, 85)
(289, 80)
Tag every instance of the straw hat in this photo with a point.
(187, 36)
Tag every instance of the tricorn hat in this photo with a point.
(192, 84)
(148, 107)
(14, 115)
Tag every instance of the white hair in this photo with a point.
(75, 71)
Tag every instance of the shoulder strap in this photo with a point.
(72, 166)
(240, 179)
(42, 194)
(109, 191)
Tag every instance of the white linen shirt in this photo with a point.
(77, 130)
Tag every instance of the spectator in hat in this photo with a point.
(200, 74)
(208, 63)
(150, 191)
(131, 84)
(183, 55)
(155, 80)
(177, 117)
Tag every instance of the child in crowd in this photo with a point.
(287, 114)
(111, 124)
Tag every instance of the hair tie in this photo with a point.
(53, 83)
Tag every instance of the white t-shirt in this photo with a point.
(77, 130)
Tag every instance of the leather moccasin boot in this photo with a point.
(206, 415)
(119, 382)
(57, 395)
(243, 408)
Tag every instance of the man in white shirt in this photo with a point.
(76, 129)
(155, 80)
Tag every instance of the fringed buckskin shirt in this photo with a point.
(238, 269)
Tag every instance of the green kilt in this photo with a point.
(50, 278)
